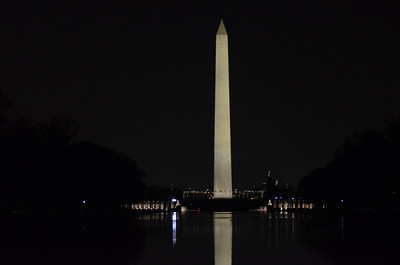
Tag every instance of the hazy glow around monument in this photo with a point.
(222, 133)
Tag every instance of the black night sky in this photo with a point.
(138, 76)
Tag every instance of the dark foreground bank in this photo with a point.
(78, 238)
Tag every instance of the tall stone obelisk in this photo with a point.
(222, 133)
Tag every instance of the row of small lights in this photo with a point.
(293, 199)
(174, 200)
(281, 198)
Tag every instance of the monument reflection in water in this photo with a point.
(223, 238)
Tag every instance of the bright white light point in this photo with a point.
(341, 200)
(174, 200)
(83, 202)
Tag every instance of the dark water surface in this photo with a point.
(205, 238)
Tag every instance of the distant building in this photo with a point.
(197, 195)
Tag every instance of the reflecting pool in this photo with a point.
(268, 238)
(223, 238)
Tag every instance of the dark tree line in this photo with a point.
(365, 171)
(41, 168)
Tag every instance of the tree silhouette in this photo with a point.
(43, 169)
(364, 171)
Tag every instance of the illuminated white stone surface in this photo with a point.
(222, 133)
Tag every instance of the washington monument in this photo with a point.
(222, 127)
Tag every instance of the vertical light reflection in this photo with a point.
(269, 231)
(292, 227)
(174, 229)
(342, 228)
(223, 238)
(276, 233)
